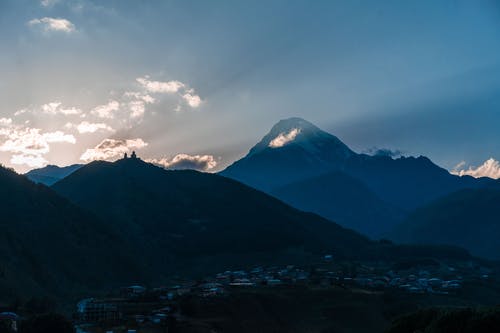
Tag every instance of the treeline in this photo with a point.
(434, 320)
(46, 323)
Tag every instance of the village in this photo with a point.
(139, 309)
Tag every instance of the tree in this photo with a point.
(48, 323)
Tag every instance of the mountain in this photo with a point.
(49, 246)
(312, 170)
(468, 218)
(293, 150)
(197, 216)
(130, 221)
(50, 174)
(409, 182)
(348, 201)
(192, 222)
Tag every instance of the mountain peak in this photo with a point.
(292, 123)
(295, 132)
(293, 149)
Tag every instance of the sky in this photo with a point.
(198, 83)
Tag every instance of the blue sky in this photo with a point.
(205, 80)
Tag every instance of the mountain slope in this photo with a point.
(48, 246)
(50, 174)
(191, 222)
(298, 170)
(193, 215)
(467, 218)
(346, 200)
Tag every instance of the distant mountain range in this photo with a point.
(50, 174)
(131, 221)
(314, 171)
(181, 219)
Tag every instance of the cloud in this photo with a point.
(185, 161)
(284, 138)
(86, 127)
(49, 24)
(106, 110)
(490, 168)
(384, 152)
(32, 140)
(137, 109)
(111, 148)
(171, 87)
(137, 103)
(33, 161)
(48, 3)
(54, 108)
(28, 145)
(5, 121)
(139, 96)
(59, 136)
(20, 112)
(167, 87)
(192, 99)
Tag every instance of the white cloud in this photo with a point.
(54, 108)
(111, 148)
(171, 87)
(137, 109)
(87, 127)
(490, 168)
(137, 103)
(24, 141)
(192, 99)
(140, 96)
(51, 107)
(284, 138)
(20, 112)
(159, 86)
(5, 121)
(48, 3)
(28, 145)
(49, 24)
(106, 110)
(33, 161)
(185, 161)
(59, 136)
(69, 111)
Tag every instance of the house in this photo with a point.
(242, 283)
(273, 282)
(91, 310)
(132, 291)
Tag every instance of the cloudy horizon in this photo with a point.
(196, 84)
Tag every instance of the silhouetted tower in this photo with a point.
(133, 155)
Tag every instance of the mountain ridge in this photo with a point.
(403, 183)
(51, 174)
